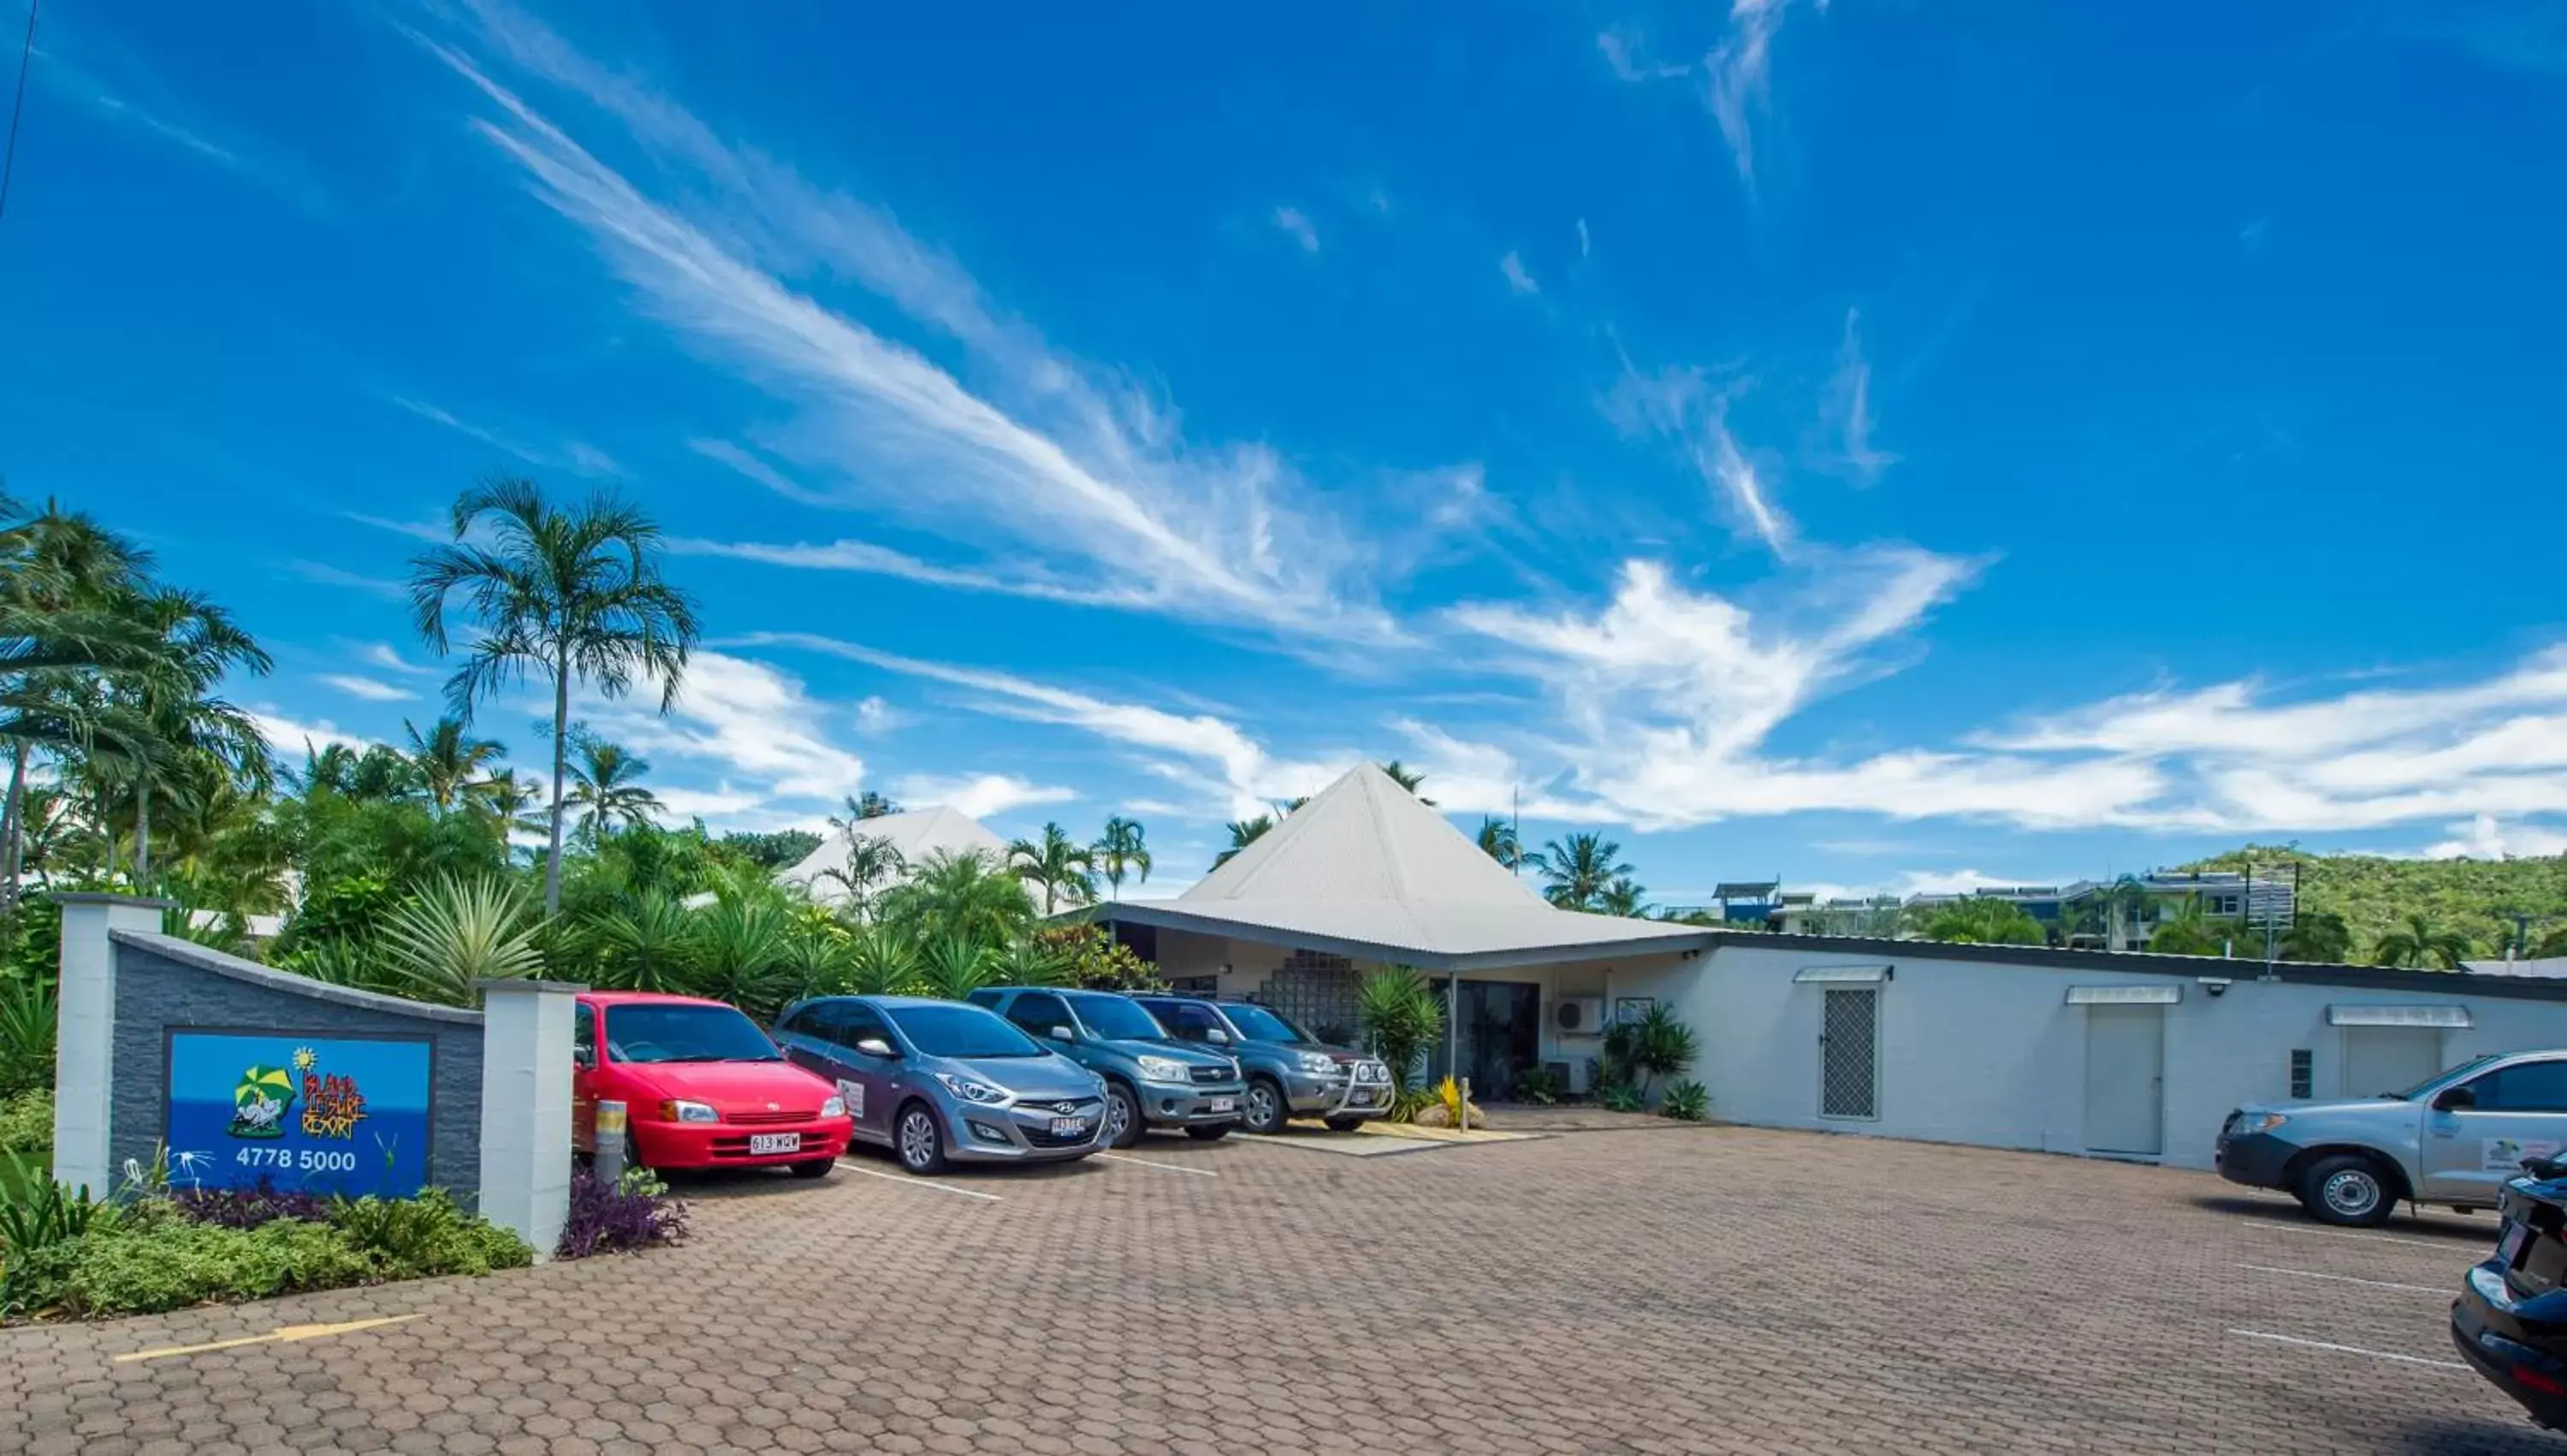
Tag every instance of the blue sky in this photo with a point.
(1878, 443)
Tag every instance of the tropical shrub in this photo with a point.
(1400, 1017)
(456, 931)
(1686, 1103)
(882, 959)
(1620, 1097)
(1539, 1086)
(624, 1217)
(1641, 1049)
(1981, 920)
(142, 1265)
(1099, 962)
(427, 1236)
(27, 1021)
(954, 966)
(247, 1208)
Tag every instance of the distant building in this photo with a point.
(2119, 915)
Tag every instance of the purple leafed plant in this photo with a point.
(247, 1208)
(605, 1219)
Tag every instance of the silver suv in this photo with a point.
(2453, 1138)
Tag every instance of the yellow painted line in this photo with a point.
(283, 1335)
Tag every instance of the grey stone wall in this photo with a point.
(163, 981)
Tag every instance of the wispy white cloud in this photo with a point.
(757, 724)
(384, 654)
(291, 737)
(1741, 72)
(1684, 407)
(1849, 405)
(980, 795)
(1622, 51)
(761, 471)
(876, 714)
(1087, 477)
(1585, 244)
(866, 557)
(421, 530)
(370, 689)
(1295, 225)
(573, 455)
(138, 101)
(329, 575)
(1517, 278)
(1212, 754)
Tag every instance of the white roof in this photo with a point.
(1368, 869)
(916, 834)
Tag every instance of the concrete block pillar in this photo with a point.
(526, 1033)
(85, 1032)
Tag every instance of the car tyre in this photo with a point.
(1345, 1124)
(1266, 1108)
(2347, 1189)
(918, 1141)
(816, 1168)
(1123, 1124)
(1210, 1131)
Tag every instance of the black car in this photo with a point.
(2510, 1320)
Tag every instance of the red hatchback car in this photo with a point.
(701, 1087)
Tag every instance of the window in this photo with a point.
(2304, 1074)
(1189, 1020)
(653, 1032)
(1039, 1013)
(961, 1031)
(2525, 1086)
(989, 997)
(1256, 1023)
(583, 1037)
(857, 1021)
(1115, 1018)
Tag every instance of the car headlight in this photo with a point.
(834, 1108)
(2253, 1122)
(682, 1111)
(1163, 1070)
(1318, 1064)
(970, 1091)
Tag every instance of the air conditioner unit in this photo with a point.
(1579, 1016)
(1572, 1075)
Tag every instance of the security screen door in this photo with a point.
(1849, 1052)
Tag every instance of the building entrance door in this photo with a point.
(1495, 1033)
(2125, 1079)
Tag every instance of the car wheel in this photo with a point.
(1210, 1131)
(1123, 1126)
(1345, 1124)
(816, 1168)
(1266, 1108)
(2346, 1189)
(920, 1141)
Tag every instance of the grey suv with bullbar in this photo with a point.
(1290, 1074)
(1150, 1081)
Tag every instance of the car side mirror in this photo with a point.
(2452, 1100)
(1216, 1036)
(876, 1047)
(1061, 1034)
(584, 1057)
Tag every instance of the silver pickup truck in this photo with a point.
(2452, 1138)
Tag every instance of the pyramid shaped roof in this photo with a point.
(1366, 868)
(915, 834)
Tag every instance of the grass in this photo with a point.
(23, 1171)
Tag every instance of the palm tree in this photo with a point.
(1060, 864)
(1119, 851)
(872, 860)
(196, 644)
(1498, 841)
(1578, 870)
(968, 895)
(2076, 918)
(2552, 942)
(1407, 779)
(2125, 905)
(1622, 897)
(560, 596)
(2317, 935)
(606, 789)
(860, 807)
(449, 763)
(506, 796)
(2419, 943)
(1242, 833)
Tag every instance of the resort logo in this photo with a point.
(333, 1104)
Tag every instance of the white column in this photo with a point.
(84, 1029)
(525, 1107)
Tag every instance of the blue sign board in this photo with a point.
(319, 1114)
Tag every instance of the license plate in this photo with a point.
(1222, 1105)
(1068, 1126)
(763, 1143)
(2508, 1249)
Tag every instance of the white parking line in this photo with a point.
(2347, 1350)
(2453, 1246)
(1162, 1167)
(2346, 1278)
(915, 1182)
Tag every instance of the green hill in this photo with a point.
(2478, 898)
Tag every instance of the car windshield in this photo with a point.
(1117, 1020)
(1256, 1023)
(2439, 1079)
(679, 1032)
(960, 1030)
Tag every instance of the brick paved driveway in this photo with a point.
(1662, 1289)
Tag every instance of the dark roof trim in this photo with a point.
(1678, 938)
(2367, 977)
